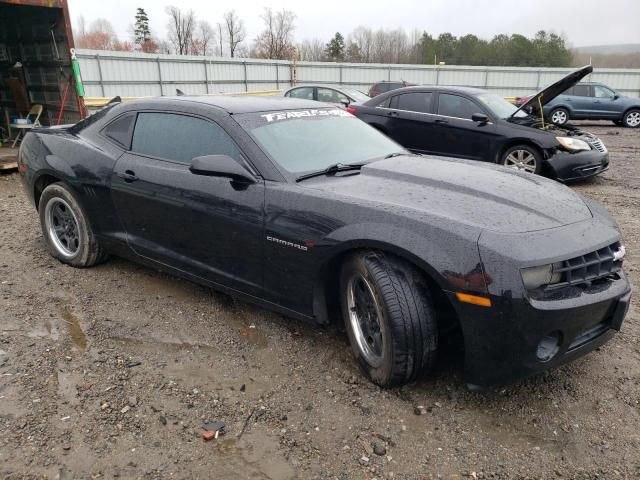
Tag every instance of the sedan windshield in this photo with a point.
(499, 106)
(303, 141)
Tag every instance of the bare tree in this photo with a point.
(276, 40)
(362, 38)
(234, 30)
(181, 29)
(220, 39)
(81, 28)
(311, 50)
(205, 36)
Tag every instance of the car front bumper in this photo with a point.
(501, 342)
(568, 167)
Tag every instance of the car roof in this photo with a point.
(239, 103)
(434, 88)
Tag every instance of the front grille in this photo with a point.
(598, 145)
(585, 269)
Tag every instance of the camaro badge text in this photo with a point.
(287, 244)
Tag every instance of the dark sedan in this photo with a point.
(478, 125)
(304, 209)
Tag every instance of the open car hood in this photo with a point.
(547, 94)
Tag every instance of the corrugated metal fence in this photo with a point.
(108, 74)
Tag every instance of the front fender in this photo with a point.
(450, 259)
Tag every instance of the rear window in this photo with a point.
(308, 140)
(580, 91)
(120, 130)
(413, 102)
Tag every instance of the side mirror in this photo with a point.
(346, 102)
(480, 118)
(616, 96)
(221, 166)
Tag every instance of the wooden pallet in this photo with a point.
(8, 166)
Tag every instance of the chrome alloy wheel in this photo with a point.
(521, 160)
(365, 317)
(62, 227)
(559, 117)
(633, 119)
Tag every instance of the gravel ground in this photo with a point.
(110, 372)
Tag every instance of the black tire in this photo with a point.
(559, 116)
(631, 118)
(76, 244)
(407, 323)
(531, 160)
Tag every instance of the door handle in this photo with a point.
(128, 176)
(441, 121)
(393, 114)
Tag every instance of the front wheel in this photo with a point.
(389, 318)
(524, 158)
(559, 116)
(66, 228)
(631, 119)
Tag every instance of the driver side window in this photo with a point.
(457, 106)
(602, 92)
(180, 138)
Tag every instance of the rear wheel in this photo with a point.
(631, 119)
(389, 317)
(559, 116)
(66, 228)
(524, 158)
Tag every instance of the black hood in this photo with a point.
(483, 195)
(547, 94)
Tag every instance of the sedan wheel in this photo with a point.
(522, 158)
(559, 116)
(632, 119)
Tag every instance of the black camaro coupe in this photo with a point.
(305, 209)
(476, 124)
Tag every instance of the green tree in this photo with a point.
(446, 48)
(141, 31)
(335, 48)
(427, 49)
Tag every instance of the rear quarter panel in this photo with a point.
(85, 167)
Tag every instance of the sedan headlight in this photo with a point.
(573, 144)
(535, 277)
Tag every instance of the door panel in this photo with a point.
(207, 226)
(456, 135)
(604, 103)
(411, 122)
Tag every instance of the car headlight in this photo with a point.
(535, 277)
(573, 144)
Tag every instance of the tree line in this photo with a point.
(188, 35)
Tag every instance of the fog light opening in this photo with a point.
(549, 346)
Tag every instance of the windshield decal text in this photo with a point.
(275, 116)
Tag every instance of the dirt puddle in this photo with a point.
(74, 329)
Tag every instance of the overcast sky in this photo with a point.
(583, 22)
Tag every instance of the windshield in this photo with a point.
(302, 141)
(499, 106)
(357, 95)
